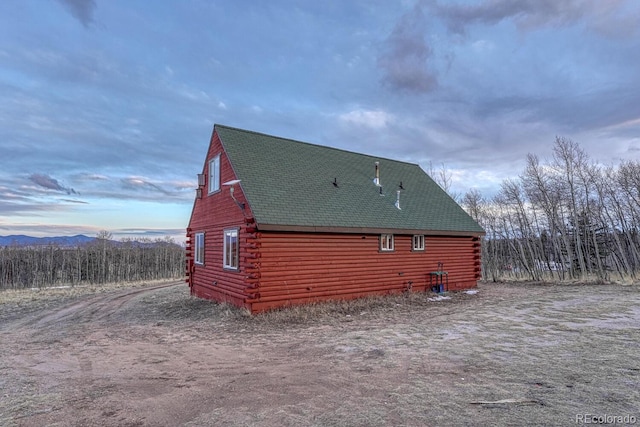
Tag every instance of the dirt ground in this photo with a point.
(512, 354)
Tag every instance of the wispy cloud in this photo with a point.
(404, 59)
(37, 229)
(82, 10)
(156, 232)
(45, 181)
(92, 177)
(376, 119)
(139, 183)
(9, 207)
(81, 202)
(606, 17)
(18, 199)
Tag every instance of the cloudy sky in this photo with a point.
(107, 106)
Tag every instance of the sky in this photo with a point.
(107, 106)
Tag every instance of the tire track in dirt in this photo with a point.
(87, 310)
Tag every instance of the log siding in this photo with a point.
(296, 268)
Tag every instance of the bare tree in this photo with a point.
(102, 261)
(444, 178)
(565, 218)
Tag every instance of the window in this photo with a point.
(418, 242)
(199, 252)
(214, 174)
(231, 249)
(386, 242)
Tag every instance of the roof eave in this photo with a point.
(364, 230)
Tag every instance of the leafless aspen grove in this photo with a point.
(569, 218)
(101, 261)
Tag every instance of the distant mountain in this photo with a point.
(66, 241)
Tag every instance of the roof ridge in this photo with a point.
(313, 144)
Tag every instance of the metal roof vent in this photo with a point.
(397, 204)
(376, 180)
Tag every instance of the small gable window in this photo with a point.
(418, 242)
(386, 242)
(231, 249)
(199, 249)
(214, 174)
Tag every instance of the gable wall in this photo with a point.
(212, 215)
(297, 268)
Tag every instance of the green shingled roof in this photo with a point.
(289, 184)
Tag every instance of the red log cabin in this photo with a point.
(278, 222)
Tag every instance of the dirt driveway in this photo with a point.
(153, 356)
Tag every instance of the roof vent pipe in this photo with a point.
(398, 199)
(376, 180)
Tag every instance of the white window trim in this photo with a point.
(387, 243)
(214, 174)
(198, 253)
(418, 242)
(225, 252)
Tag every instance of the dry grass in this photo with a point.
(333, 312)
(177, 305)
(551, 278)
